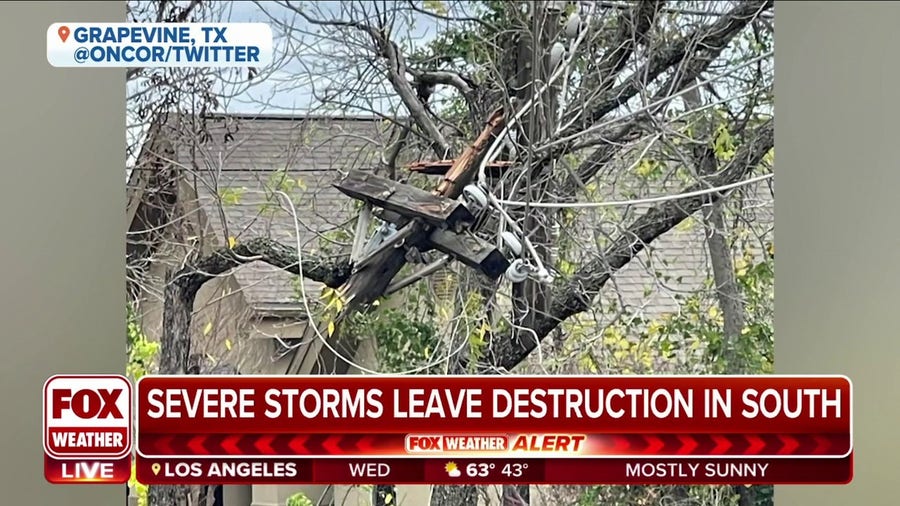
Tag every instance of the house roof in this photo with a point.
(237, 163)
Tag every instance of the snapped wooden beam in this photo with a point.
(403, 199)
(463, 170)
(470, 250)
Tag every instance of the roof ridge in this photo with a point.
(281, 116)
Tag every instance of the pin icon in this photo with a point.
(63, 33)
(155, 468)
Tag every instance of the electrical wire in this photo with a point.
(616, 203)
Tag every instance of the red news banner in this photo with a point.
(492, 429)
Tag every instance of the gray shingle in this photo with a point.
(247, 158)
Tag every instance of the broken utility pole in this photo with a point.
(423, 221)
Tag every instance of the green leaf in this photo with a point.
(435, 6)
(231, 196)
(724, 144)
(686, 224)
(649, 169)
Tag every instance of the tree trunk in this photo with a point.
(728, 293)
(532, 297)
(537, 126)
(175, 351)
(729, 299)
(727, 290)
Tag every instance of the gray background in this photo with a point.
(837, 217)
(62, 224)
(62, 247)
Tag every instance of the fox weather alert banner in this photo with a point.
(451, 429)
(159, 44)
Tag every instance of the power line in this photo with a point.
(616, 203)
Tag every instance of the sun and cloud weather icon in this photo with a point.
(452, 470)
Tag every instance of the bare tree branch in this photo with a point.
(396, 73)
(712, 39)
(329, 271)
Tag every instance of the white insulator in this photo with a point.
(517, 271)
(475, 197)
(573, 26)
(513, 151)
(557, 53)
(509, 142)
(512, 243)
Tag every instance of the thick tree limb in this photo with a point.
(182, 288)
(577, 295)
(634, 26)
(464, 85)
(329, 271)
(397, 71)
